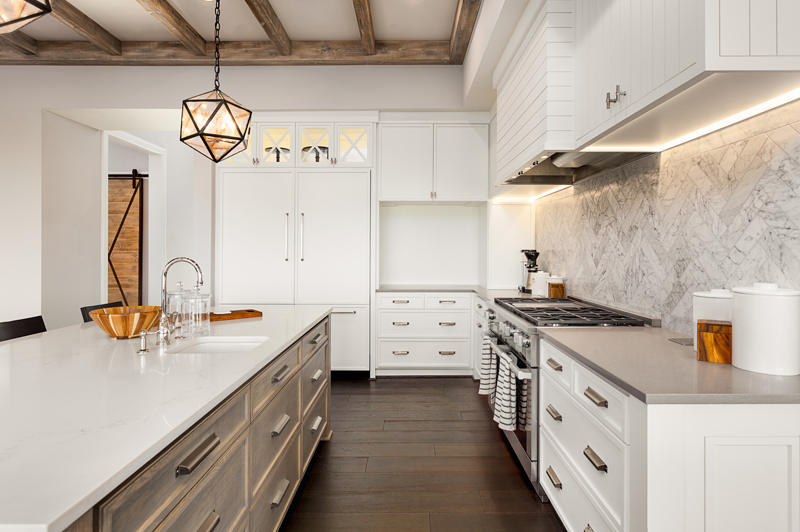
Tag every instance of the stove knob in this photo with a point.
(490, 315)
(526, 341)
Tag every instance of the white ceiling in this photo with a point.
(304, 20)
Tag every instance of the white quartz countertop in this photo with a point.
(486, 294)
(81, 412)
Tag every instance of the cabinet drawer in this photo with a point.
(315, 376)
(571, 503)
(447, 301)
(421, 354)
(315, 338)
(556, 364)
(612, 409)
(401, 301)
(271, 431)
(157, 488)
(271, 504)
(424, 324)
(578, 435)
(315, 424)
(221, 496)
(273, 377)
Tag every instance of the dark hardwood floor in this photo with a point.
(414, 455)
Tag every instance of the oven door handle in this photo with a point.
(523, 375)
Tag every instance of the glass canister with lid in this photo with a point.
(175, 308)
(196, 314)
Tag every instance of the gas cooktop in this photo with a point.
(548, 312)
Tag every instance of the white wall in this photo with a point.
(123, 159)
(430, 244)
(510, 231)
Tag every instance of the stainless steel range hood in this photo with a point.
(568, 168)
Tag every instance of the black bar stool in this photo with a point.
(19, 328)
(86, 310)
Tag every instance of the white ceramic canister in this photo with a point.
(539, 286)
(716, 304)
(766, 335)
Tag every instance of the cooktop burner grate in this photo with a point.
(545, 312)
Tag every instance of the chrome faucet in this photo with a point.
(166, 327)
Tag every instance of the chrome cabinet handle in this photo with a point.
(276, 500)
(399, 352)
(286, 240)
(553, 413)
(302, 236)
(447, 323)
(197, 456)
(315, 340)
(278, 377)
(617, 96)
(281, 425)
(316, 376)
(343, 312)
(400, 323)
(447, 352)
(554, 478)
(595, 460)
(315, 426)
(480, 326)
(480, 306)
(595, 397)
(555, 365)
(448, 302)
(400, 301)
(210, 523)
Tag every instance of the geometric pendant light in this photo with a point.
(213, 123)
(16, 13)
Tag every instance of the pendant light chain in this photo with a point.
(216, 48)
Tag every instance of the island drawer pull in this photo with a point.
(278, 377)
(316, 339)
(399, 352)
(400, 323)
(316, 376)
(210, 523)
(595, 397)
(447, 352)
(554, 478)
(447, 323)
(281, 425)
(197, 456)
(400, 301)
(276, 500)
(555, 365)
(595, 460)
(315, 426)
(553, 413)
(450, 302)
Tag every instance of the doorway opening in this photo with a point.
(126, 210)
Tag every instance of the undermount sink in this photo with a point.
(219, 345)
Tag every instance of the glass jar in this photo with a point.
(196, 315)
(175, 308)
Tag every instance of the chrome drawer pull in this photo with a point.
(588, 528)
(281, 425)
(316, 376)
(447, 323)
(276, 500)
(447, 352)
(278, 377)
(315, 426)
(595, 460)
(400, 301)
(480, 326)
(343, 312)
(595, 397)
(316, 339)
(554, 478)
(448, 302)
(399, 352)
(555, 365)
(480, 306)
(400, 323)
(553, 413)
(197, 456)
(210, 523)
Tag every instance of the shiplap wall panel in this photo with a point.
(734, 27)
(688, 29)
(764, 27)
(672, 40)
(788, 34)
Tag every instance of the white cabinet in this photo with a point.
(406, 162)
(461, 161)
(350, 342)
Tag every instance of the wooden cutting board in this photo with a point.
(236, 315)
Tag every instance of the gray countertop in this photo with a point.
(644, 363)
(485, 293)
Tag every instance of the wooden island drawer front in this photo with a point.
(315, 338)
(150, 495)
(425, 324)
(274, 377)
(315, 424)
(401, 301)
(270, 506)
(557, 365)
(271, 431)
(447, 301)
(315, 376)
(602, 400)
(220, 497)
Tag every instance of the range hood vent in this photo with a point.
(568, 168)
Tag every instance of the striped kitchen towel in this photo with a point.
(505, 401)
(488, 368)
(523, 410)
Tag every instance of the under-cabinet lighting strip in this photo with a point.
(529, 200)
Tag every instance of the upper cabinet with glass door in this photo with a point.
(354, 145)
(276, 145)
(315, 144)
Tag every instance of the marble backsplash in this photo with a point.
(719, 211)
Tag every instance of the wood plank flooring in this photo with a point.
(415, 455)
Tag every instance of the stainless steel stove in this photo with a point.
(514, 325)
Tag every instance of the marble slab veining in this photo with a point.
(80, 412)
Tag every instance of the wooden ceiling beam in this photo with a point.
(77, 21)
(174, 22)
(236, 54)
(364, 16)
(22, 43)
(266, 16)
(466, 15)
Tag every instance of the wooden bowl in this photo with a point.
(125, 322)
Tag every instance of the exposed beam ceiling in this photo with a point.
(236, 53)
(364, 16)
(466, 15)
(272, 25)
(20, 42)
(87, 28)
(169, 17)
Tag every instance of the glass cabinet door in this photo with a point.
(276, 144)
(354, 145)
(315, 144)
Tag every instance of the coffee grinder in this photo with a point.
(530, 268)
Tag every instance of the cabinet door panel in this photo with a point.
(354, 145)
(316, 142)
(462, 162)
(350, 338)
(406, 159)
(257, 245)
(333, 238)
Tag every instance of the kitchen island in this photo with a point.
(82, 412)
